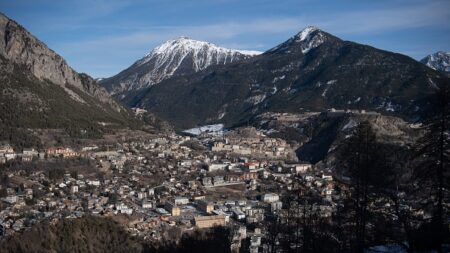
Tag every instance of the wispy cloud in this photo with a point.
(343, 23)
(132, 38)
(214, 32)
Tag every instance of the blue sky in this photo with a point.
(102, 37)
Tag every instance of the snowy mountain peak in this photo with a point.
(181, 43)
(306, 32)
(438, 61)
(308, 38)
(178, 56)
(186, 45)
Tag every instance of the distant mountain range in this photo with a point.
(311, 71)
(191, 83)
(38, 89)
(173, 58)
(438, 61)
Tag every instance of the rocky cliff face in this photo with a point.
(177, 57)
(20, 47)
(39, 90)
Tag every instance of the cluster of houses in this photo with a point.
(7, 153)
(249, 141)
(163, 182)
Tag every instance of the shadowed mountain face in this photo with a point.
(38, 89)
(173, 58)
(312, 71)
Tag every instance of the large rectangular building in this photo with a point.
(209, 221)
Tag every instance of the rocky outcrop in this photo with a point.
(19, 46)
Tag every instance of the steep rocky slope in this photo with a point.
(38, 89)
(20, 47)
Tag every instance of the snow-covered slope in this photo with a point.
(174, 57)
(438, 61)
(307, 39)
(216, 129)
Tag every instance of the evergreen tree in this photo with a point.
(433, 152)
(359, 157)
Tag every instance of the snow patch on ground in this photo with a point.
(329, 83)
(324, 93)
(276, 79)
(350, 124)
(212, 129)
(271, 131)
(274, 90)
(390, 107)
(256, 99)
(432, 84)
(221, 115)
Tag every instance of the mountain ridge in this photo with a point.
(311, 71)
(175, 57)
